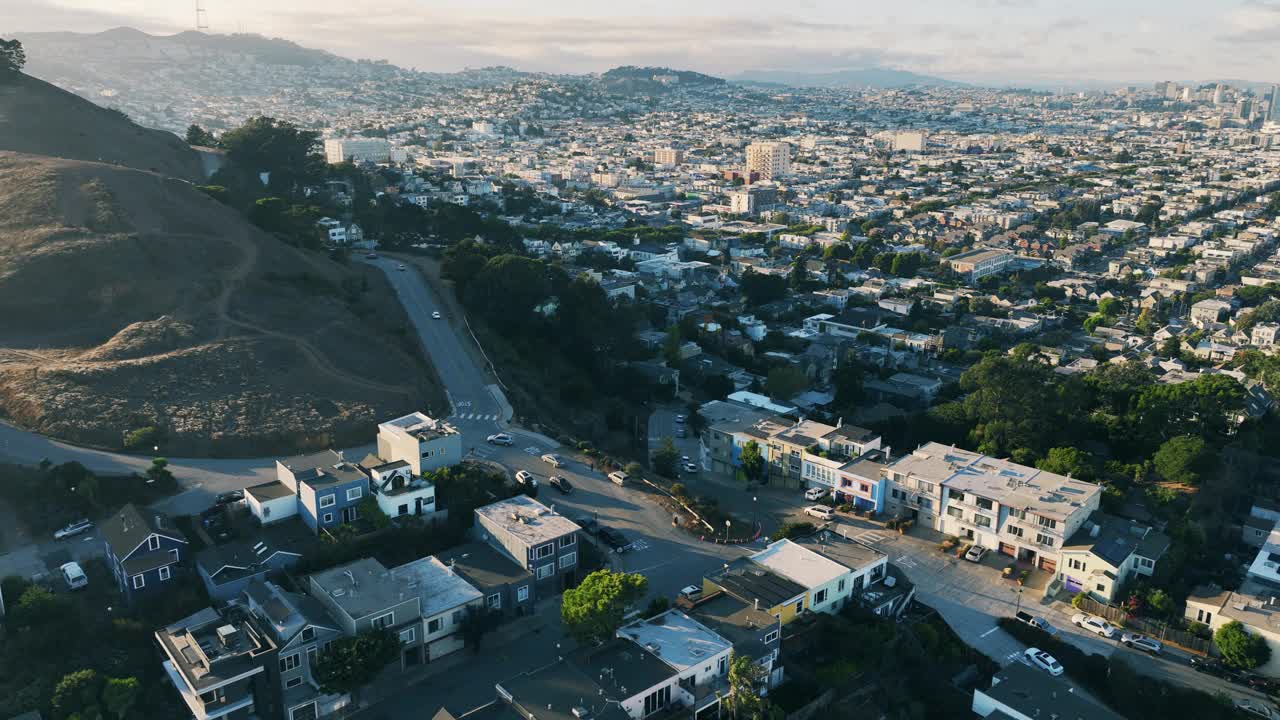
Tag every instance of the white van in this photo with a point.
(618, 477)
(74, 576)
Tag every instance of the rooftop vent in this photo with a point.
(228, 635)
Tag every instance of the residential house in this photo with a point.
(397, 490)
(1207, 312)
(614, 681)
(1264, 334)
(423, 442)
(1254, 606)
(507, 587)
(227, 570)
(1021, 692)
(303, 630)
(363, 595)
(699, 656)
(765, 590)
(753, 632)
(1106, 553)
(538, 539)
(445, 599)
(876, 584)
(144, 551)
(327, 487)
(217, 662)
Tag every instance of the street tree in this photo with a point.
(350, 663)
(594, 610)
(1239, 648)
(744, 701)
(752, 461)
(666, 458)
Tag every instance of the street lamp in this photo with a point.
(755, 515)
(727, 523)
(1018, 592)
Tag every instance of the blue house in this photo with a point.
(228, 570)
(145, 551)
(322, 488)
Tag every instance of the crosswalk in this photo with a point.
(533, 450)
(906, 561)
(492, 417)
(871, 537)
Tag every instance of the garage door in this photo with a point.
(1048, 564)
(1007, 549)
(1073, 585)
(445, 645)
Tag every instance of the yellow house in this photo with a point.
(762, 588)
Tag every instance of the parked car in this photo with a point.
(74, 576)
(1256, 708)
(435, 314)
(588, 524)
(680, 433)
(72, 529)
(617, 477)
(1094, 624)
(690, 468)
(691, 592)
(816, 493)
(371, 256)
(614, 539)
(524, 477)
(561, 484)
(975, 554)
(1036, 622)
(229, 498)
(680, 419)
(1262, 684)
(1142, 642)
(553, 460)
(401, 267)
(499, 439)
(1043, 660)
(822, 512)
(1209, 666)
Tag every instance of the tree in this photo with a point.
(1068, 461)
(1171, 347)
(197, 135)
(12, 57)
(671, 346)
(371, 512)
(77, 695)
(1239, 648)
(278, 147)
(37, 606)
(666, 458)
(353, 662)
(1183, 459)
(476, 623)
(744, 701)
(120, 695)
(752, 461)
(593, 611)
(786, 382)
(848, 384)
(160, 475)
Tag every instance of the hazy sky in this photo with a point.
(997, 41)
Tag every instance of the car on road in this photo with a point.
(1094, 624)
(553, 460)
(560, 483)
(975, 554)
(1036, 622)
(816, 493)
(1261, 684)
(617, 477)
(500, 439)
(524, 477)
(690, 468)
(614, 539)
(73, 529)
(822, 512)
(691, 592)
(588, 524)
(371, 256)
(679, 419)
(680, 433)
(1255, 708)
(73, 575)
(1209, 666)
(435, 315)
(230, 497)
(1043, 660)
(401, 267)
(1142, 642)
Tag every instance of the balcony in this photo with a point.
(199, 708)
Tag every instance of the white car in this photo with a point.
(690, 468)
(1043, 660)
(822, 512)
(1255, 708)
(74, 528)
(975, 554)
(553, 460)
(692, 592)
(499, 439)
(524, 477)
(435, 315)
(815, 494)
(401, 267)
(680, 419)
(1094, 624)
(74, 576)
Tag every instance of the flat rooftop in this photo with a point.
(439, 588)
(363, 587)
(209, 647)
(419, 426)
(527, 519)
(834, 543)
(799, 564)
(678, 639)
(750, 582)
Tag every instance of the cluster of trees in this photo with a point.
(12, 58)
(49, 496)
(594, 610)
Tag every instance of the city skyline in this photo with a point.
(995, 42)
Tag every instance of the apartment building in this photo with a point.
(217, 662)
(538, 539)
(423, 442)
(979, 263)
(770, 159)
(1017, 510)
(359, 150)
(668, 156)
(363, 595)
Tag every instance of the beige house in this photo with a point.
(1254, 605)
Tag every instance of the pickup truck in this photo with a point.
(1036, 622)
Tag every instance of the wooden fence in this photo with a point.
(1158, 629)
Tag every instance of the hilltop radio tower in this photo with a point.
(202, 22)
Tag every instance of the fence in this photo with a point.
(1157, 629)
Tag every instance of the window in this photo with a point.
(544, 551)
(927, 488)
(313, 657)
(384, 621)
(1019, 514)
(955, 512)
(215, 695)
(1046, 522)
(840, 585)
(289, 662)
(164, 574)
(153, 542)
(1075, 564)
(985, 504)
(1044, 539)
(926, 503)
(434, 625)
(820, 597)
(800, 606)
(1015, 531)
(410, 634)
(568, 559)
(1102, 588)
(327, 518)
(770, 636)
(1146, 563)
(656, 700)
(173, 554)
(457, 617)
(293, 682)
(354, 493)
(981, 521)
(545, 571)
(308, 634)
(1204, 616)
(139, 581)
(568, 540)
(866, 489)
(494, 601)
(328, 500)
(954, 494)
(522, 593)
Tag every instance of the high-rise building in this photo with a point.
(1273, 108)
(668, 156)
(769, 158)
(375, 150)
(913, 142)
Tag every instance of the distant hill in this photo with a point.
(38, 118)
(133, 299)
(874, 77)
(629, 78)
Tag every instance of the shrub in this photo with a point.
(1078, 599)
(142, 438)
(790, 530)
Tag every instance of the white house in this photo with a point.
(445, 599)
(423, 442)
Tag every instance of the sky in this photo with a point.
(1043, 42)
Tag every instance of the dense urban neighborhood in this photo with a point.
(755, 401)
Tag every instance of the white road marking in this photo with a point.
(988, 632)
(533, 450)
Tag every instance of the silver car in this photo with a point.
(73, 529)
(1142, 642)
